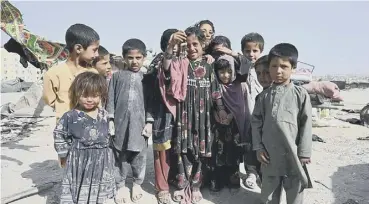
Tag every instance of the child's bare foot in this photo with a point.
(136, 192)
(196, 195)
(122, 195)
(163, 197)
(179, 195)
(250, 181)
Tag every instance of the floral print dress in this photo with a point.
(89, 172)
(194, 137)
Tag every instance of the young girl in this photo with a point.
(207, 27)
(82, 143)
(190, 97)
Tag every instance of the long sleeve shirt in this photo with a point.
(57, 81)
(282, 111)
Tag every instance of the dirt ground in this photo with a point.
(339, 169)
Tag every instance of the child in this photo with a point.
(191, 95)
(163, 123)
(82, 143)
(127, 112)
(102, 62)
(228, 136)
(252, 46)
(262, 72)
(281, 123)
(207, 27)
(82, 43)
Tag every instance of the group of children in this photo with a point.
(207, 108)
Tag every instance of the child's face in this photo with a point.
(103, 65)
(134, 60)
(225, 75)
(195, 48)
(262, 72)
(252, 51)
(280, 70)
(90, 53)
(208, 32)
(89, 102)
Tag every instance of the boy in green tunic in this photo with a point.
(281, 124)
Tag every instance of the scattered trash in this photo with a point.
(351, 201)
(316, 138)
(351, 110)
(364, 115)
(363, 138)
(321, 183)
(354, 121)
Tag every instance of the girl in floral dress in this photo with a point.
(82, 143)
(190, 97)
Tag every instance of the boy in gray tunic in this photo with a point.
(126, 108)
(281, 128)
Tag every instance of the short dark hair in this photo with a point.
(102, 53)
(199, 24)
(166, 37)
(134, 44)
(221, 64)
(80, 34)
(262, 61)
(197, 32)
(219, 40)
(87, 84)
(255, 38)
(285, 51)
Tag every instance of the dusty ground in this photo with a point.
(340, 167)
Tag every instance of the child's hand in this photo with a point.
(62, 162)
(177, 38)
(305, 160)
(223, 115)
(111, 128)
(209, 59)
(262, 156)
(224, 50)
(147, 131)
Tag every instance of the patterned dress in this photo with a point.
(194, 137)
(88, 175)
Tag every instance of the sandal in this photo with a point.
(122, 195)
(163, 197)
(136, 192)
(250, 181)
(179, 195)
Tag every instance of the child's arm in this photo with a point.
(257, 120)
(110, 105)
(176, 39)
(62, 138)
(305, 127)
(49, 94)
(148, 84)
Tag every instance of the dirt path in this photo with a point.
(341, 166)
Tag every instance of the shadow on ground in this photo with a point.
(350, 184)
(47, 175)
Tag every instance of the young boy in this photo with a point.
(252, 46)
(102, 62)
(281, 124)
(127, 112)
(262, 72)
(82, 43)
